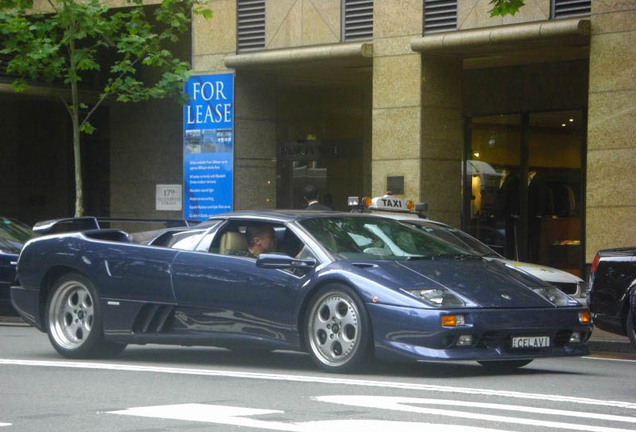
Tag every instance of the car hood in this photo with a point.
(548, 274)
(483, 283)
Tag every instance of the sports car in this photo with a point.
(343, 287)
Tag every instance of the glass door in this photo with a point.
(555, 195)
(523, 186)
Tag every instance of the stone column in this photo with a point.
(611, 148)
(417, 130)
(255, 141)
(442, 137)
(396, 106)
(254, 108)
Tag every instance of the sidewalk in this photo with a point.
(600, 341)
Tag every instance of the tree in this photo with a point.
(505, 7)
(70, 42)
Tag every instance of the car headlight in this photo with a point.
(553, 295)
(437, 297)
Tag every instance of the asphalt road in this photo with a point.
(155, 388)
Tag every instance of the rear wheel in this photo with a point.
(504, 365)
(74, 321)
(338, 330)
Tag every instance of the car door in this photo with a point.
(231, 297)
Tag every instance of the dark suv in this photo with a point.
(612, 288)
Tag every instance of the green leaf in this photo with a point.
(505, 7)
(87, 128)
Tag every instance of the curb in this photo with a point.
(604, 345)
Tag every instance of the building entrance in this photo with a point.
(334, 167)
(523, 186)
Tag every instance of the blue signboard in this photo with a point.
(208, 146)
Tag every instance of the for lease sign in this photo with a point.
(208, 146)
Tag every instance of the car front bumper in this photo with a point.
(417, 334)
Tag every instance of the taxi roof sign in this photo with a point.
(391, 203)
(387, 203)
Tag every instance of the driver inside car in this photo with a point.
(261, 238)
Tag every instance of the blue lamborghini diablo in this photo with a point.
(343, 287)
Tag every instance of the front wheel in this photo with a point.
(73, 319)
(338, 330)
(503, 365)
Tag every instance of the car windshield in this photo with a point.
(458, 238)
(13, 235)
(348, 237)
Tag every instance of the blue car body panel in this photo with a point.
(152, 294)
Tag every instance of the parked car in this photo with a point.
(613, 291)
(343, 287)
(405, 212)
(13, 235)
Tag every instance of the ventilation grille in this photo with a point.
(571, 8)
(440, 15)
(357, 20)
(152, 318)
(250, 25)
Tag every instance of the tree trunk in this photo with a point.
(77, 154)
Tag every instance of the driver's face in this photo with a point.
(267, 242)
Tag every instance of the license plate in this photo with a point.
(531, 342)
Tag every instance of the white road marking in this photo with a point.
(320, 380)
(610, 359)
(236, 416)
(405, 404)
(388, 401)
(5, 424)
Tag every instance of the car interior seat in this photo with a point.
(233, 243)
(290, 245)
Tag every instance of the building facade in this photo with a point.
(517, 129)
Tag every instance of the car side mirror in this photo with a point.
(275, 261)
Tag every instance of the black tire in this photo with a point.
(338, 330)
(631, 328)
(504, 365)
(73, 319)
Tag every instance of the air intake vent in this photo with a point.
(440, 15)
(357, 21)
(152, 318)
(250, 17)
(571, 8)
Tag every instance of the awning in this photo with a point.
(482, 41)
(323, 53)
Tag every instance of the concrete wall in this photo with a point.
(295, 23)
(611, 155)
(146, 149)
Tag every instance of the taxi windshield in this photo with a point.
(349, 237)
